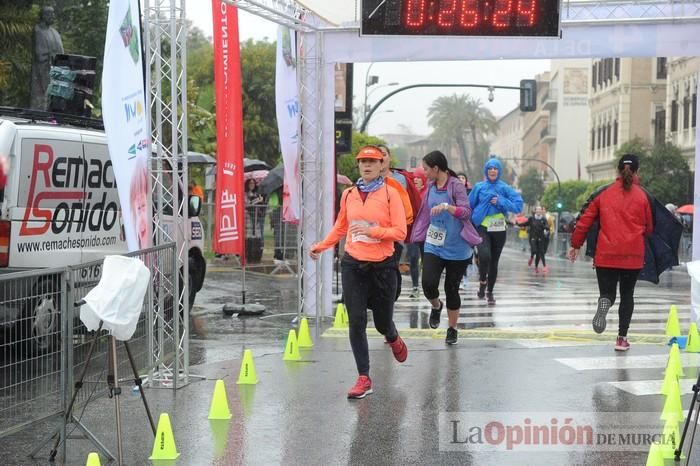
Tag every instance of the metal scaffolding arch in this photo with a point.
(166, 57)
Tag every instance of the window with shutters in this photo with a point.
(674, 116)
(615, 129)
(661, 68)
(617, 68)
(686, 112)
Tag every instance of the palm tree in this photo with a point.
(453, 117)
(16, 24)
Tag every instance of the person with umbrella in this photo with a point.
(538, 231)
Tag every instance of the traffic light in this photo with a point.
(528, 95)
(559, 205)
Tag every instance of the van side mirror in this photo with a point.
(194, 206)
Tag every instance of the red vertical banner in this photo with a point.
(229, 227)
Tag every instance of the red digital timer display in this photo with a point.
(461, 17)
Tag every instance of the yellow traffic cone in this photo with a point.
(673, 408)
(669, 378)
(247, 375)
(669, 439)
(93, 460)
(656, 456)
(673, 326)
(219, 403)
(304, 339)
(291, 352)
(164, 443)
(339, 321)
(674, 361)
(693, 343)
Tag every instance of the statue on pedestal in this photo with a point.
(46, 43)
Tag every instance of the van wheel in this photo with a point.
(42, 317)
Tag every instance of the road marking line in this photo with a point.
(627, 362)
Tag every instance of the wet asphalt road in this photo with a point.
(298, 414)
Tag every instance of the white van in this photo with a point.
(60, 207)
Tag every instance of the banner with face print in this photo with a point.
(126, 120)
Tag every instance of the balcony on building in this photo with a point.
(549, 101)
(548, 135)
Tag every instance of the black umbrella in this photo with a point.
(250, 165)
(273, 181)
(199, 158)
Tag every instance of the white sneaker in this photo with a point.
(414, 293)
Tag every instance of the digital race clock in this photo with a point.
(461, 17)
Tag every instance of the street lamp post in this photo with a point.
(368, 82)
(368, 114)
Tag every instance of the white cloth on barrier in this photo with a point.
(118, 297)
(694, 272)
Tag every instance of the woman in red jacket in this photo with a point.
(624, 214)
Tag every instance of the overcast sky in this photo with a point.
(410, 107)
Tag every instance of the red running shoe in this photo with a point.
(398, 347)
(361, 389)
(622, 344)
(529, 262)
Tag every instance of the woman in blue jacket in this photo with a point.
(491, 200)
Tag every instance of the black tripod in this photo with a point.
(696, 414)
(114, 392)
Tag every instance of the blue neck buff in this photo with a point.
(372, 186)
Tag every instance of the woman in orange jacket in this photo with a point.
(371, 219)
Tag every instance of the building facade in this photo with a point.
(680, 114)
(627, 99)
(569, 115)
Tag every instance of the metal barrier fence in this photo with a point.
(45, 346)
(271, 243)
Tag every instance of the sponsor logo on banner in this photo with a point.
(133, 109)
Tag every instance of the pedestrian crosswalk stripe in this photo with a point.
(651, 387)
(650, 361)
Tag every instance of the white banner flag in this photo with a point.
(288, 113)
(126, 120)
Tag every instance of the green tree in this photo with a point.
(346, 163)
(592, 187)
(260, 135)
(570, 191)
(456, 116)
(663, 170)
(17, 21)
(531, 186)
(666, 175)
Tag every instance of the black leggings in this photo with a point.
(368, 285)
(607, 284)
(489, 253)
(414, 252)
(454, 271)
(539, 249)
